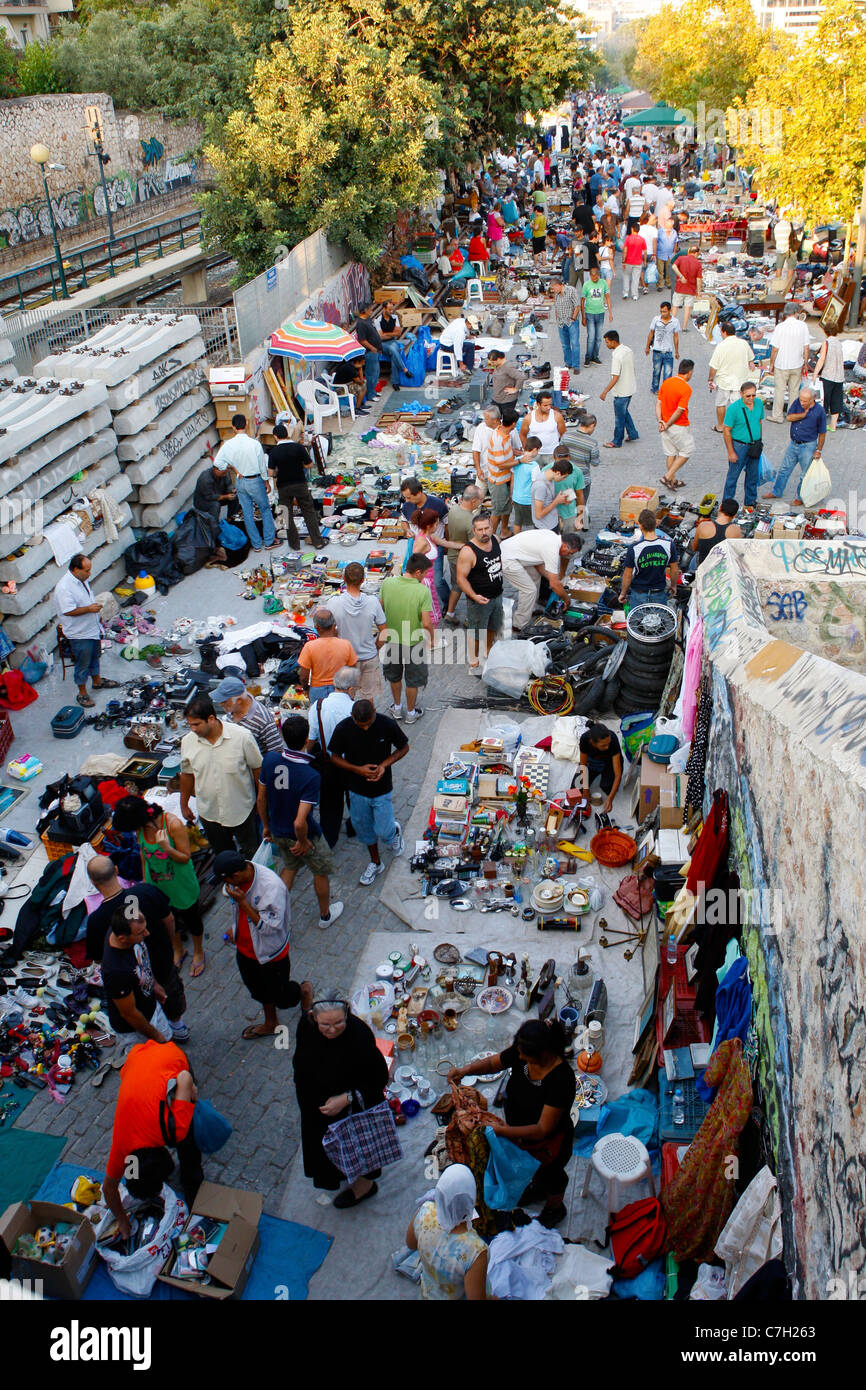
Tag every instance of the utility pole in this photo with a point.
(859, 257)
(94, 129)
(40, 154)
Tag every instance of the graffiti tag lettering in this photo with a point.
(151, 151)
(791, 606)
(848, 557)
(32, 221)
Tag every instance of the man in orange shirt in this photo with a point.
(154, 1110)
(321, 658)
(672, 413)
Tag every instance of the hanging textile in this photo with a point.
(696, 765)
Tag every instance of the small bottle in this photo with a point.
(521, 995)
(672, 949)
(679, 1107)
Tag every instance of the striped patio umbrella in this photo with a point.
(312, 340)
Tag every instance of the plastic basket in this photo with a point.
(58, 849)
(6, 734)
(613, 848)
(695, 1110)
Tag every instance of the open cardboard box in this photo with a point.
(230, 1264)
(66, 1280)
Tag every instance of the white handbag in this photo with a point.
(753, 1232)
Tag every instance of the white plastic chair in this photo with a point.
(480, 268)
(474, 292)
(311, 394)
(342, 393)
(446, 362)
(622, 1161)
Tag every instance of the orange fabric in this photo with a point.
(146, 1073)
(674, 393)
(499, 452)
(323, 657)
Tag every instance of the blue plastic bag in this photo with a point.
(651, 275)
(210, 1129)
(509, 1170)
(231, 537)
(766, 471)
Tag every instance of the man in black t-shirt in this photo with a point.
(365, 747)
(479, 575)
(134, 996)
(368, 336)
(291, 463)
(601, 755)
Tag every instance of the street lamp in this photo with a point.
(40, 154)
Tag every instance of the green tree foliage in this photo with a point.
(8, 62)
(808, 118)
(37, 70)
(104, 56)
(337, 137)
(700, 50)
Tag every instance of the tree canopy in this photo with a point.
(700, 50)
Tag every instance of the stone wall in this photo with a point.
(149, 157)
(788, 744)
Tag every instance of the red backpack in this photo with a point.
(638, 1235)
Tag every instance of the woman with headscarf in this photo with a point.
(339, 1071)
(453, 1256)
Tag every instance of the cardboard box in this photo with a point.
(66, 1280)
(235, 374)
(634, 499)
(231, 1262)
(586, 590)
(411, 318)
(655, 780)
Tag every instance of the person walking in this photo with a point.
(808, 423)
(260, 930)
(249, 466)
(623, 385)
(742, 431)
(232, 697)
(730, 365)
(360, 620)
(479, 574)
(408, 607)
(458, 531)
(672, 413)
(166, 857)
(634, 254)
(324, 717)
(290, 464)
(688, 285)
(663, 340)
(650, 565)
(78, 612)
(288, 794)
(218, 763)
(789, 359)
(530, 556)
(323, 655)
(424, 524)
(666, 245)
(830, 371)
(566, 316)
(365, 748)
(368, 336)
(595, 296)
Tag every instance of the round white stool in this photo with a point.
(622, 1161)
(474, 292)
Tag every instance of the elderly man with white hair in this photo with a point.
(808, 431)
(325, 715)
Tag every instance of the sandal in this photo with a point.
(197, 968)
(666, 482)
(85, 701)
(252, 1031)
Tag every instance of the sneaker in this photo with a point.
(371, 872)
(396, 711)
(397, 845)
(414, 715)
(335, 912)
(180, 1032)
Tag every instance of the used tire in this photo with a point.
(591, 697)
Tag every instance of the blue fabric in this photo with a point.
(371, 374)
(569, 337)
(210, 1129)
(623, 424)
(373, 818)
(231, 537)
(593, 334)
(287, 1259)
(415, 358)
(795, 453)
(752, 468)
(733, 1014)
(635, 1113)
(648, 1286)
(509, 1170)
(252, 491)
(85, 653)
(663, 367)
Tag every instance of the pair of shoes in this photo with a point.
(180, 1033)
(551, 1216)
(335, 912)
(274, 545)
(85, 701)
(397, 845)
(396, 711)
(414, 715)
(347, 1198)
(371, 872)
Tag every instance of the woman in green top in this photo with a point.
(166, 857)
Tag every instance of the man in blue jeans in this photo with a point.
(78, 612)
(650, 564)
(663, 340)
(364, 747)
(249, 464)
(742, 431)
(566, 316)
(368, 336)
(623, 384)
(808, 432)
(595, 298)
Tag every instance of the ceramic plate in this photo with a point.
(494, 999)
(446, 954)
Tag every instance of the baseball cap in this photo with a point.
(228, 689)
(227, 862)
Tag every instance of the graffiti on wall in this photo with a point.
(31, 220)
(342, 296)
(121, 193)
(151, 151)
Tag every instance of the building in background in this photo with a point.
(29, 21)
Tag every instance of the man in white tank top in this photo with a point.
(544, 422)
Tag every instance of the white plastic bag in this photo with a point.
(816, 484)
(512, 665)
(710, 1285)
(509, 731)
(135, 1274)
(565, 739)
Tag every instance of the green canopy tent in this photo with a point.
(660, 115)
(620, 91)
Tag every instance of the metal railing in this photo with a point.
(35, 335)
(37, 284)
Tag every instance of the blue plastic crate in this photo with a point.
(695, 1109)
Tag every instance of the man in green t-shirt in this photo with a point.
(574, 485)
(408, 605)
(595, 299)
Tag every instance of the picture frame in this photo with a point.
(691, 959)
(650, 956)
(669, 1009)
(644, 1017)
(9, 797)
(834, 314)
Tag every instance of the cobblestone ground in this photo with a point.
(239, 1076)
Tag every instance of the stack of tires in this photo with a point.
(638, 668)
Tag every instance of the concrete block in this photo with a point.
(123, 348)
(150, 377)
(168, 423)
(108, 569)
(54, 459)
(137, 417)
(32, 410)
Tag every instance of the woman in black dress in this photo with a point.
(338, 1069)
(538, 1101)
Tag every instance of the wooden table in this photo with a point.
(765, 306)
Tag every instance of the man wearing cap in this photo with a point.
(232, 696)
(321, 657)
(218, 765)
(262, 918)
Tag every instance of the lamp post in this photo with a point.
(40, 154)
(859, 259)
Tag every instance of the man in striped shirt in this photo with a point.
(500, 462)
(566, 316)
(232, 697)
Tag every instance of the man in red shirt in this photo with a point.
(154, 1109)
(688, 285)
(672, 413)
(633, 261)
